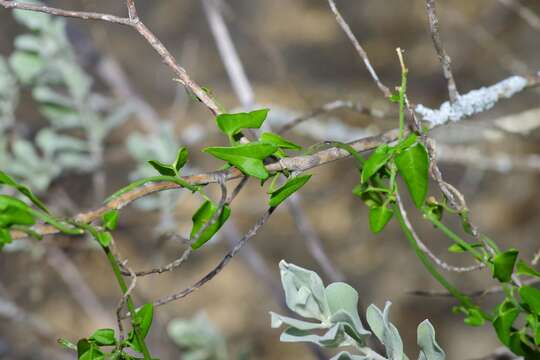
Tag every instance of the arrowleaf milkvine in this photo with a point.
(397, 169)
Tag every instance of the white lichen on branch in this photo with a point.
(474, 102)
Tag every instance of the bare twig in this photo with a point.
(328, 107)
(439, 262)
(138, 25)
(246, 95)
(185, 255)
(229, 55)
(359, 49)
(221, 265)
(441, 52)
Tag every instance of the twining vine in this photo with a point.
(404, 158)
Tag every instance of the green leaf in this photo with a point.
(525, 269)
(378, 218)
(203, 215)
(143, 319)
(110, 219)
(503, 265)
(181, 159)
(504, 321)
(370, 198)
(457, 248)
(474, 317)
(5, 238)
(531, 297)
(277, 140)
(406, 143)
(232, 124)
(104, 238)
(248, 157)
(254, 150)
(162, 168)
(88, 351)
(7, 180)
(290, 187)
(413, 165)
(14, 212)
(377, 160)
(104, 337)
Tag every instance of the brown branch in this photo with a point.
(137, 24)
(441, 53)
(359, 49)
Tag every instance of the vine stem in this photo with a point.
(408, 230)
(402, 92)
(123, 287)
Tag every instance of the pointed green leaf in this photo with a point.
(524, 269)
(290, 187)
(248, 158)
(378, 218)
(7, 180)
(254, 150)
(104, 238)
(413, 164)
(104, 337)
(110, 220)
(377, 160)
(143, 318)
(531, 297)
(162, 168)
(474, 317)
(203, 215)
(88, 351)
(5, 238)
(277, 140)
(405, 143)
(457, 248)
(181, 159)
(504, 321)
(232, 124)
(503, 265)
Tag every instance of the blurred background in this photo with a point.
(80, 120)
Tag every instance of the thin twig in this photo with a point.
(124, 297)
(221, 265)
(359, 49)
(246, 96)
(328, 107)
(297, 163)
(239, 80)
(439, 262)
(137, 24)
(441, 52)
(185, 255)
